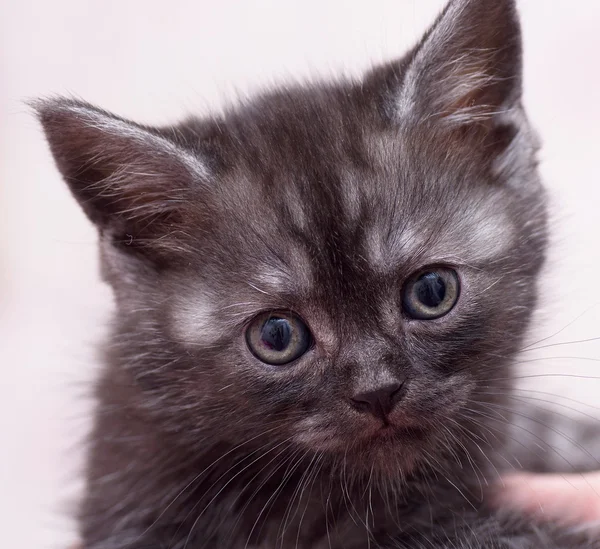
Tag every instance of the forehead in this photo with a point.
(325, 212)
(325, 194)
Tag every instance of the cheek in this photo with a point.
(319, 430)
(191, 316)
(483, 328)
(431, 395)
(484, 234)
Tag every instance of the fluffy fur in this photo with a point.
(323, 200)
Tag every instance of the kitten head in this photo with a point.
(343, 268)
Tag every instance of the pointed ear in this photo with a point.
(132, 181)
(467, 68)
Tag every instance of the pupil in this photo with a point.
(430, 289)
(276, 334)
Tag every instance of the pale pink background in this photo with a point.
(151, 62)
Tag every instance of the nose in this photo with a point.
(380, 401)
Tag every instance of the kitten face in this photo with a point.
(344, 275)
(325, 202)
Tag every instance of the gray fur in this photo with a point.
(323, 200)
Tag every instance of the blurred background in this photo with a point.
(155, 62)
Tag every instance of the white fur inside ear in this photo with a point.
(453, 73)
(109, 125)
(462, 77)
(420, 65)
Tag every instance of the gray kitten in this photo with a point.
(320, 297)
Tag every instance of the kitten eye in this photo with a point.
(278, 338)
(431, 293)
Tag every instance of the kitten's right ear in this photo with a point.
(134, 181)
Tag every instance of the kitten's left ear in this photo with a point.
(467, 68)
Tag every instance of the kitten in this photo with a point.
(320, 296)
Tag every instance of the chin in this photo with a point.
(392, 452)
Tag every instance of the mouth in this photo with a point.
(399, 427)
(389, 450)
(378, 438)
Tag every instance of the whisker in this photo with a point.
(563, 328)
(533, 376)
(227, 484)
(538, 421)
(526, 398)
(588, 340)
(198, 476)
(290, 470)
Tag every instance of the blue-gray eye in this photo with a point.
(431, 293)
(278, 338)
